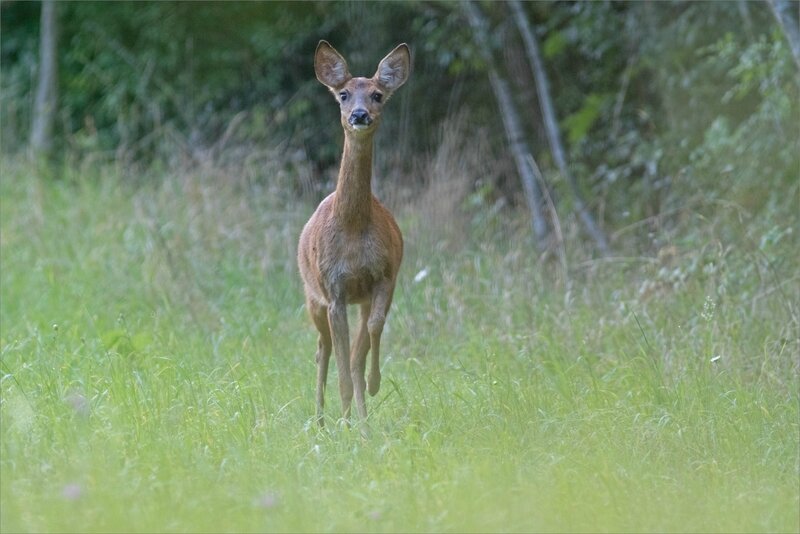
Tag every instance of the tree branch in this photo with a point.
(551, 126)
(45, 102)
(513, 129)
(788, 24)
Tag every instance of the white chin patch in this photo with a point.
(360, 126)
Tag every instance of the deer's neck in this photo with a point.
(353, 203)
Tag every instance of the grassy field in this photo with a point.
(158, 375)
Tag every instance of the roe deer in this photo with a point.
(351, 247)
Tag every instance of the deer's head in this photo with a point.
(361, 99)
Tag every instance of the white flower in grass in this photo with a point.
(420, 276)
(72, 491)
(267, 500)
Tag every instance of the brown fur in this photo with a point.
(351, 248)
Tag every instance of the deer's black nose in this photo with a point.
(360, 117)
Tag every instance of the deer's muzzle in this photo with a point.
(360, 117)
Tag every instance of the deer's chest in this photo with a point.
(352, 263)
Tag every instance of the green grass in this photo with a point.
(158, 375)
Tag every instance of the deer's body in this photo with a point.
(351, 248)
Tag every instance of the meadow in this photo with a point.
(158, 372)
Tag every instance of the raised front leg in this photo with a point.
(337, 317)
(381, 301)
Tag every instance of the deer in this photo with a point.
(350, 250)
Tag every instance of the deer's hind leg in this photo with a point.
(319, 314)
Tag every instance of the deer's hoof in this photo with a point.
(374, 383)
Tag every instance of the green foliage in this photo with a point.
(578, 124)
(765, 81)
(555, 43)
(686, 106)
(658, 102)
(158, 375)
(169, 81)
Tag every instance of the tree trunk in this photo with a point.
(747, 20)
(783, 13)
(44, 105)
(513, 129)
(551, 126)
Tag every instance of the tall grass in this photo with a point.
(158, 372)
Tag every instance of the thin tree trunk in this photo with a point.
(744, 13)
(44, 105)
(551, 126)
(513, 128)
(783, 13)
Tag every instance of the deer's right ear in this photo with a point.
(393, 70)
(330, 67)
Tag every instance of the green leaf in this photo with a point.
(579, 123)
(554, 44)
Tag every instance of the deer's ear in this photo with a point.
(393, 70)
(330, 67)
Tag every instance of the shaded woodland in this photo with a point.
(610, 118)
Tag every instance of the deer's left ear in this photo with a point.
(393, 70)
(330, 67)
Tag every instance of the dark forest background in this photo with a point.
(657, 107)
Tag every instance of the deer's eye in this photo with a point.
(377, 97)
(343, 95)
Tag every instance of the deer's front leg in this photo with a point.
(337, 317)
(358, 361)
(381, 301)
